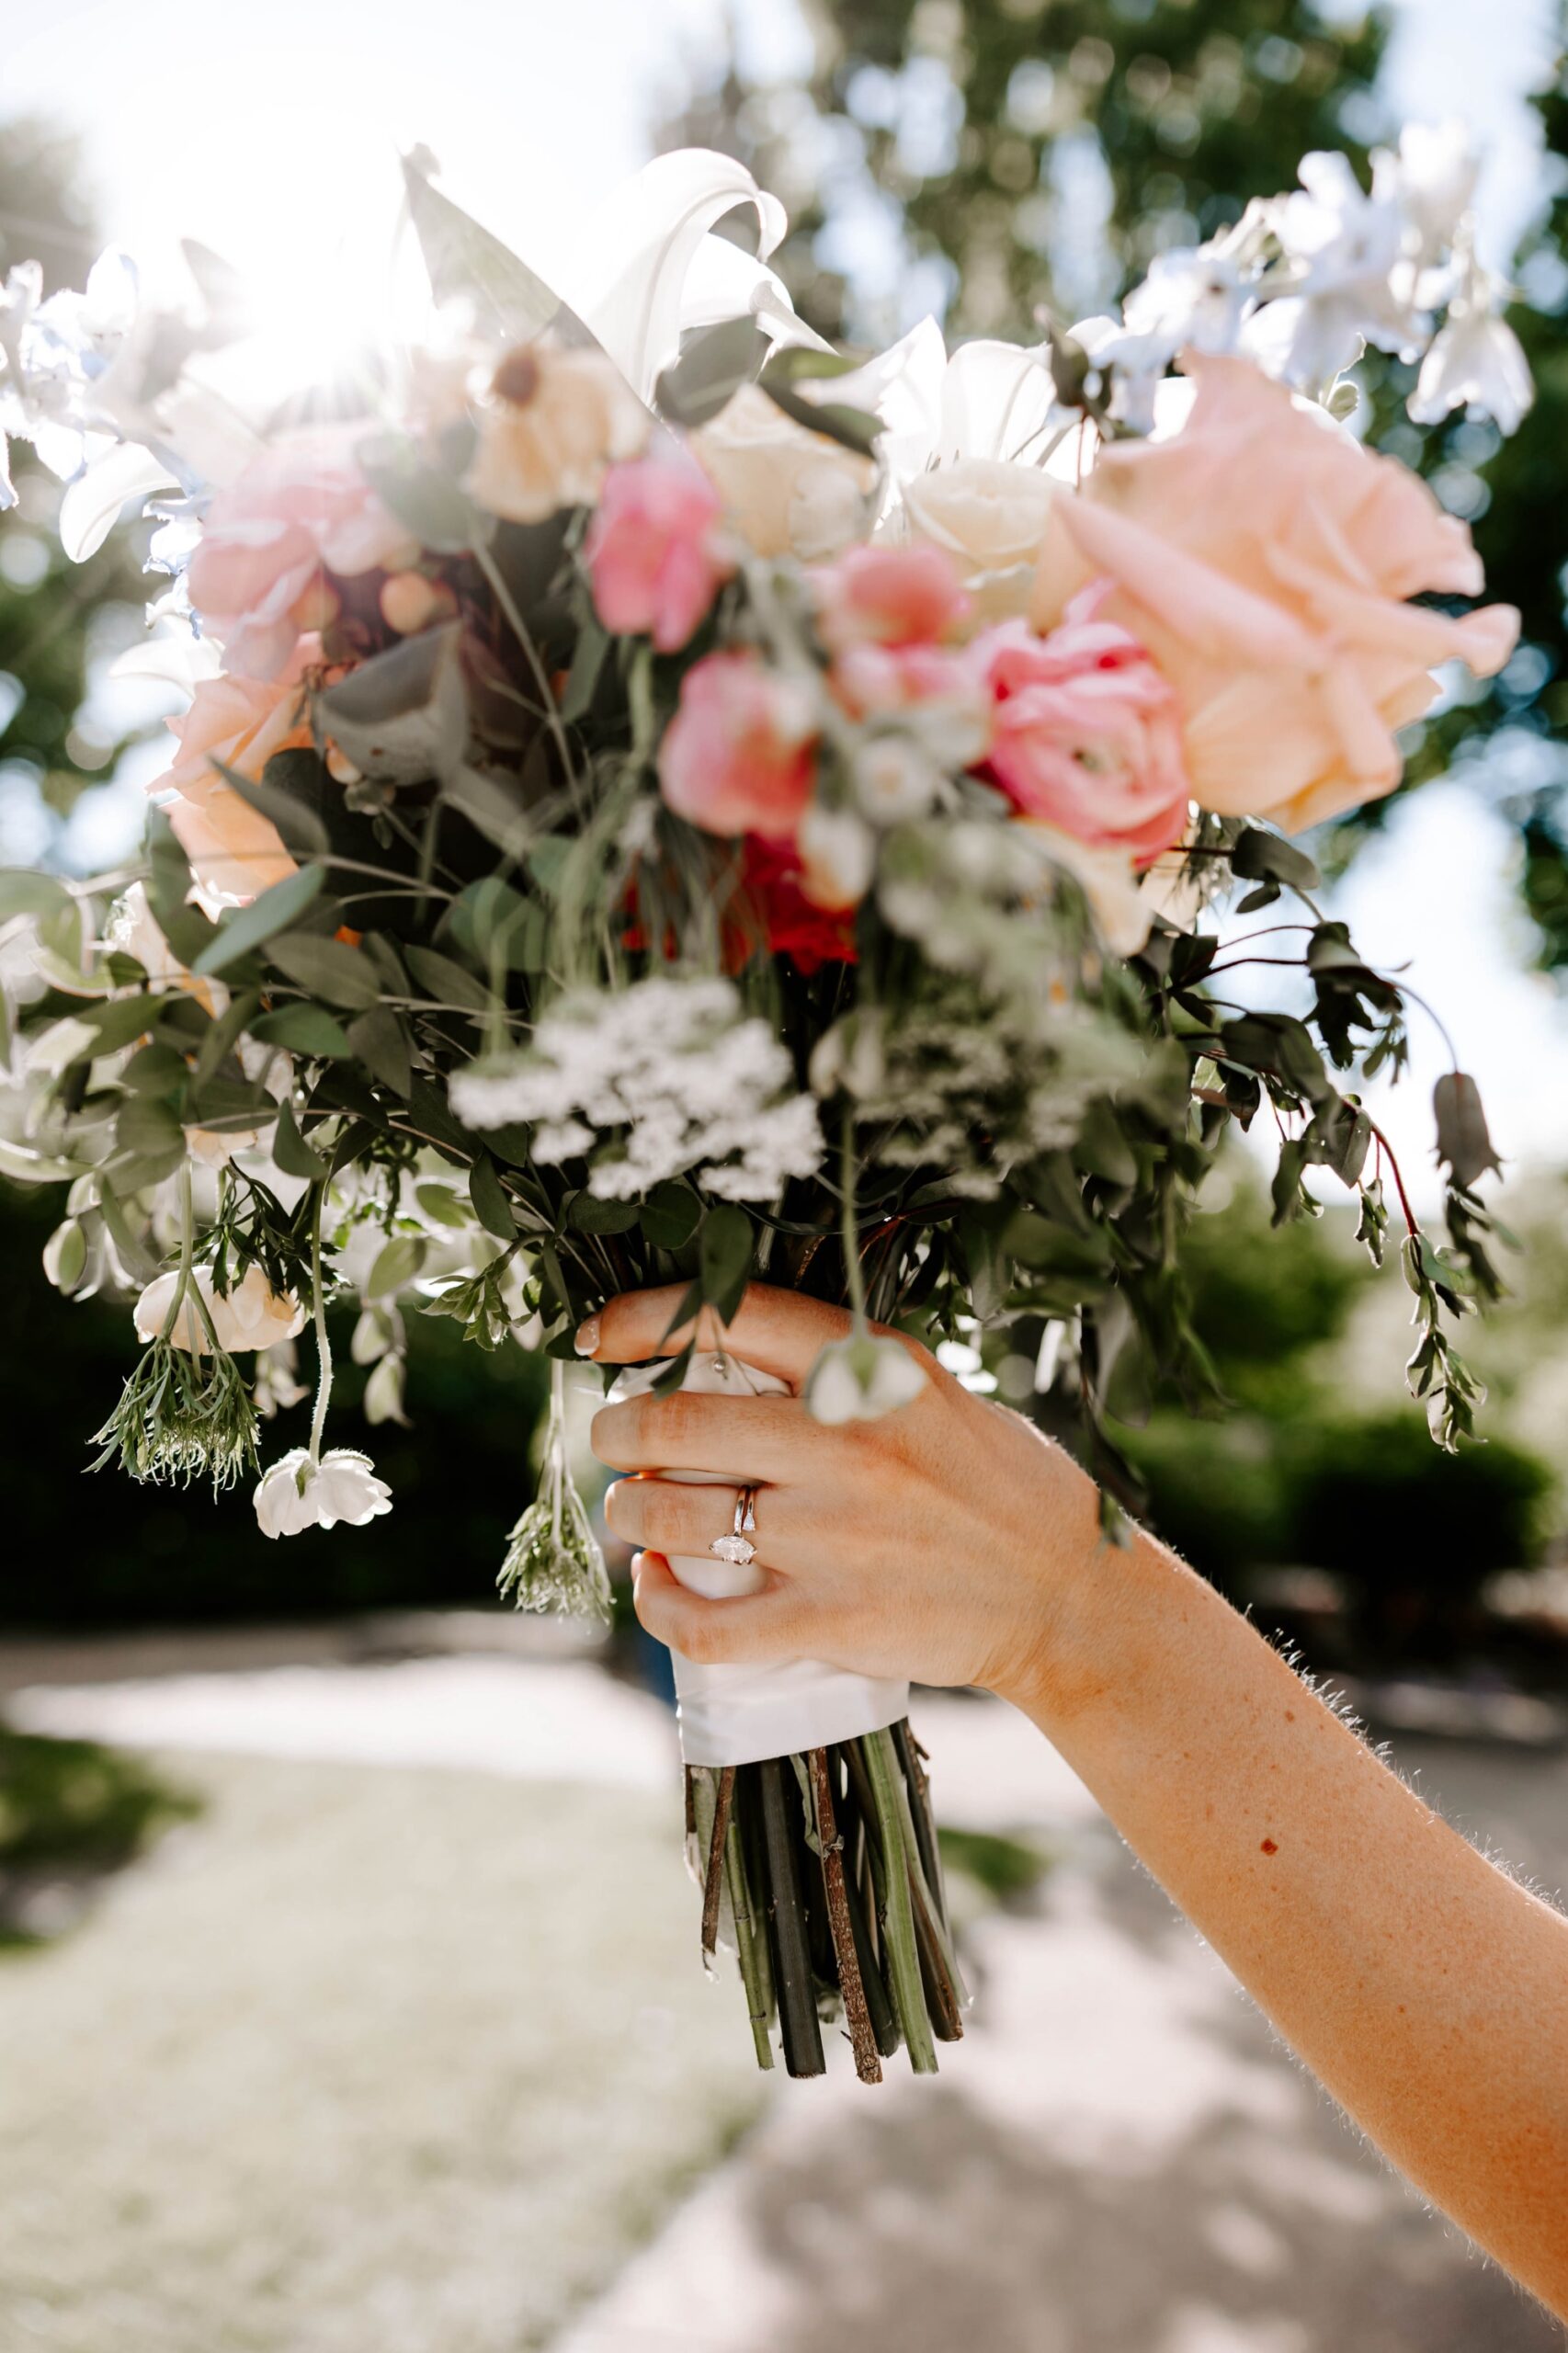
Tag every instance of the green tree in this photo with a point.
(57, 618)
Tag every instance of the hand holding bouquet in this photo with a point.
(665, 804)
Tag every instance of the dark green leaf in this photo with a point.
(291, 1153)
(724, 1256)
(148, 1128)
(590, 1215)
(118, 1020)
(491, 1205)
(396, 1264)
(289, 809)
(587, 660)
(380, 1040)
(156, 1069)
(669, 1216)
(247, 927)
(1268, 857)
(852, 429)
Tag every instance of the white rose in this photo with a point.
(787, 491)
(249, 1316)
(991, 517)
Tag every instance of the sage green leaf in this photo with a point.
(327, 968)
(1463, 1139)
(157, 1070)
(304, 1030)
(396, 1264)
(852, 429)
(121, 1019)
(274, 911)
(588, 662)
(714, 362)
(448, 983)
(491, 1205)
(401, 717)
(380, 1040)
(147, 1128)
(511, 304)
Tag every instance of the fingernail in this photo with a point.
(588, 1340)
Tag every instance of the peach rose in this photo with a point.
(235, 851)
(887, 596)
(302, 507)
(656, 553)
(1266, 560)
(1086, 734)
(739, 755)
(551, 424)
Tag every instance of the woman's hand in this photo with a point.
(928, 1544)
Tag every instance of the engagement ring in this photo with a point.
(737, 1547)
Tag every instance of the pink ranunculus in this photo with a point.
(655, 550)
(1086, 734)
(235, 851)
(1265, 559)
(939, 692)
(739, 757)
(300, 508)
(889, 596)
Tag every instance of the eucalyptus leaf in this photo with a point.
(448, 983)
(509, 301)
(1259, 857)
(303, 1029)
(423, 498)
(1463, 1139)
(401, 717)
(292, 1153)
(724, 1256)
(248, 927)
(669, 1216)
(327, 968)
(380, 1040)
(397, 1265)
(588, 1214)
(277, 795)
(491, 1205)
(714, 362)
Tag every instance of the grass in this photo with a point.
(70, 1811)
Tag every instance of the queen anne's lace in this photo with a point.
(659, 1080)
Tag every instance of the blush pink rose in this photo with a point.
(1265, 559)
(235, 851)
(739, 757)
(655, 550)
(1086, 734)
(301, 508)
(889, 596)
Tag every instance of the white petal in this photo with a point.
(92, 503)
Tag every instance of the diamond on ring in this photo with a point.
(737, 1547)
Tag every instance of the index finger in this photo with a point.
(777, 1331)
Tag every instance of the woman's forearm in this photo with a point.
(1426, 1990)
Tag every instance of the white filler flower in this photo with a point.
(654, 1081)
(296, 1494)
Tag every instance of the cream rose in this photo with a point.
(247, 1316)
(1267, 560)
(991, 517)
(787, 491)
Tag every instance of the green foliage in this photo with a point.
(68, 1806)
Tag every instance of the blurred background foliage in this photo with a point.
(983, 160)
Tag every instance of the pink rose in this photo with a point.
(1086, 734)
(739, 755)
(655, 550)
(889, 596)
(235, 851)
(1264, 559)
(302, 507)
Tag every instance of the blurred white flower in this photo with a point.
(295, 1494)
(1431, 178)
(383, 1392)
(1350, 279)
(838, 856)
(860, 1379)
(251, 1315)
(1476, 361)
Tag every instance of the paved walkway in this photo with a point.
(1119, 2158)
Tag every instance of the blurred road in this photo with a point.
(1120, 2159)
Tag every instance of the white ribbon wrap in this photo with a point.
(737, 1715)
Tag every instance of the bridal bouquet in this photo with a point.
(662, 799)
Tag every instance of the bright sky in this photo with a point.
(273, 135)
